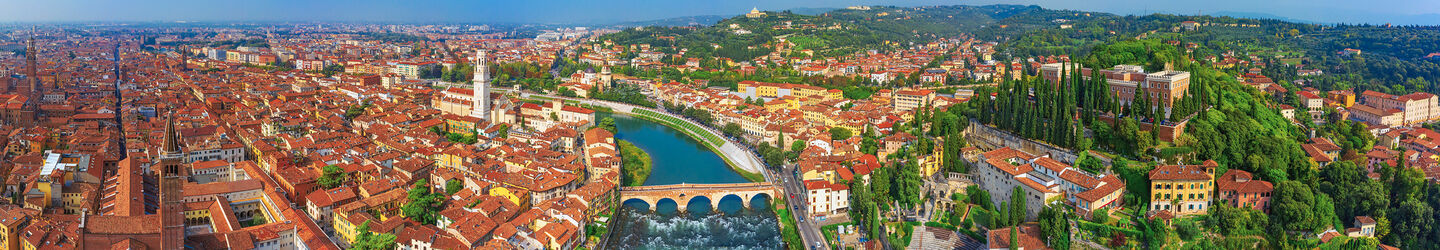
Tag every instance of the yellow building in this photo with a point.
(343, 228)
(13, 220)
(770, 91)
(516, 196)
(818, 174)
(912, 99)
(782, 103)
(929, 165)
(1345, 98)
(452, 157)
(806, 90)
(816, 114)
(778, 90)
(1182, 189)
(464, 125)
(350, 216)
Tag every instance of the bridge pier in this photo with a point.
(682, 194)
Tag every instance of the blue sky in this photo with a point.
(570, 11)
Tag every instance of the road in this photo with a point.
(799, 204)
(731, 150)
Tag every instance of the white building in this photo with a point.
(827, 198)
(1044, 181)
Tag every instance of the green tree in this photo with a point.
(839, 133)
(1018, 210)
(979, 197)
(1413, 223)
(363, 234)
(1014, 238)
(732, 130)
(422, 205)
(869, 146)
(1407, 184)
(367, 240)
(907, 188)
(880, 179)
(1055, 226)
(331, 177)
(954, 160)
(452, 186)
(1187, 229)
(1293, 206)
(383, 241)
(608, 124)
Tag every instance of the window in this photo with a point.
(1192, 196)
(1202, 196)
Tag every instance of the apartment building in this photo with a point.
(1182, 189)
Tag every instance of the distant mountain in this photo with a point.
(1256, 15)
(811, 11)
(675, 21)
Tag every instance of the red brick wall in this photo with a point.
(1168, 132)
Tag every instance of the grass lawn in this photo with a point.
(636, 164)
(830, 232)
(710, 141)
(900, 237)
(788, 231)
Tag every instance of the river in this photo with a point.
(676, 159)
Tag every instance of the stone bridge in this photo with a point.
(681, 194)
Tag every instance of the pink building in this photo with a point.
(1239, 188)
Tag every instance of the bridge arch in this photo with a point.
(683, 194)
(658, 202)
(730, 198)
(649, 205)
(765, 198)
(712, 202)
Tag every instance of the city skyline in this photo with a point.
(787, 124)
(612, 11)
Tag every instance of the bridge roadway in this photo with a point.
(681, 194)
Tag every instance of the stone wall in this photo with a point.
(1168, 132)
(989, 138)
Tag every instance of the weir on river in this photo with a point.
(676, 159)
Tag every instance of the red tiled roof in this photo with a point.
(1182, 172)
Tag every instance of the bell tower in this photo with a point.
(184, 58)
(173, 174)
(33, 87)
(605, 78)
(481, 80)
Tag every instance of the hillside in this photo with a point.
(1394, 58)
(833, 33)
